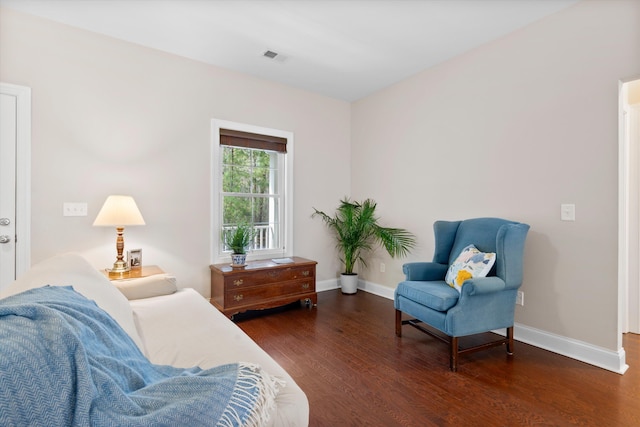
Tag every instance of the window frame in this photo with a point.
(286, 249)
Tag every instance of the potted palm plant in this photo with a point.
(357, 230)
(238, 239)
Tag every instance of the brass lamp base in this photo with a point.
(119, 269)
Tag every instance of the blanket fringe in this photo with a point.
(260, 405)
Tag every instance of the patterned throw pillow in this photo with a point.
(469, 264)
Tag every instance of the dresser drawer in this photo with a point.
(256, 278)
(250, 295)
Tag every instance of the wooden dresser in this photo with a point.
(263, 284)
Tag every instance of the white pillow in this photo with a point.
(73, 270)
(470, 263)
(147, 287)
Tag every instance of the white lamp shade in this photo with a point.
(119, 211)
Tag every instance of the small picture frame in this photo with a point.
(134, 258)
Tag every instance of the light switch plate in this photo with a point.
(74, 209)
(568, 212)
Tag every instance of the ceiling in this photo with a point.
(344, 49)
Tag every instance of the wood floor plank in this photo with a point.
(344, 354)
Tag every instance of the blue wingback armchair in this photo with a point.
(483, 303)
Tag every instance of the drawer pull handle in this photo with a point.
(273, 273)
(305, 273)
(305, 286)
(238, 282)
(238, 297)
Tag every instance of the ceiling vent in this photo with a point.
(274, 56)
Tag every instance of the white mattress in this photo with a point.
(184, 330)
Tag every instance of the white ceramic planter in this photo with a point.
(349, 283)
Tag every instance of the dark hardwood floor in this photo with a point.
(356, 372)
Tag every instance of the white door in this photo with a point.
(15, 137)
(8, 142)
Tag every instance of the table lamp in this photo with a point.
(119, 211)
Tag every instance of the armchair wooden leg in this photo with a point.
(510, 340)
(453, 354)
(398, 323)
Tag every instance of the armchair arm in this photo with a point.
(483, 285)
(485, 304)
(424, 271)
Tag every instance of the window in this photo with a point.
(252, 184)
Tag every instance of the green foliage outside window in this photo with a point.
(248, 187)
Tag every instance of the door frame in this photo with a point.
(632, 296)
(23, 174)
(629, 218)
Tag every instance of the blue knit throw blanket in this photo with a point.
(66, 362)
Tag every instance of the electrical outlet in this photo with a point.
(382, 267)
(520, 298)
(568, 212)
(74, 209)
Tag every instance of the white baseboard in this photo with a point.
(372, 288)
(614, 361)
(592, 354)
(327, 285)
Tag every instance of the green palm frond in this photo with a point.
(357, 230)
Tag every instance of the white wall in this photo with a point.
(112, 117)
(513, 129)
